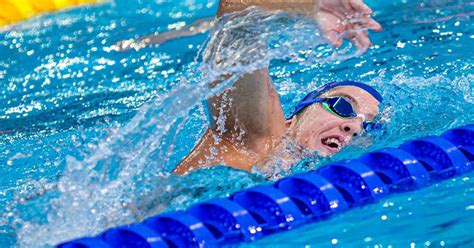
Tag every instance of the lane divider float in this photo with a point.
(299, 199)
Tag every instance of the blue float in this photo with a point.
(463, 139)
(180, 229)
(136, 235)
(313, 194)
(299, 199)
(356, 182)
(227, 220)
(96, 242)
(397, 168)
(271, 208)
(439, 156)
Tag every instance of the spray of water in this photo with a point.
(123, 179)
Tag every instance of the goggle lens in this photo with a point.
(343, 108)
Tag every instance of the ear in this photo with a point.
(289, 123)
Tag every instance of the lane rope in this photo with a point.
(299, 199)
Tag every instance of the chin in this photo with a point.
(325, 154)
(324, 151)
(321, 152)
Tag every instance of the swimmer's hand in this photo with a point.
(346, 19)
(338, 19)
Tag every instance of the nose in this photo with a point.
(352, 127)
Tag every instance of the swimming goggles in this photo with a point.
(338, 106)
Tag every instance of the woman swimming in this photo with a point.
(254, 126)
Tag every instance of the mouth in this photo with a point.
(333, 143)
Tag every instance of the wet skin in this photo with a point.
(255, 128)
(315, 125)
(315, 129)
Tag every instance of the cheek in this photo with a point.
(321, 121)
(307, 136)
(309, 133)
(327, 121)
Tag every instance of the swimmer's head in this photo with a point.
(328, 118)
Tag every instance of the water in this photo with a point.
(89, 135)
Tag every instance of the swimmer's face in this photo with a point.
(326, 133)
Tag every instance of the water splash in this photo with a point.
(123, 178)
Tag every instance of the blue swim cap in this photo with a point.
(311, 97)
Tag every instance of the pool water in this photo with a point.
(89, 135)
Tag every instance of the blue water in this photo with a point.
(89, 135)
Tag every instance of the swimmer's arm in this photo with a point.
(197, 27)
(305, 6)
(337, 19)
(254, 108)
(256, 105)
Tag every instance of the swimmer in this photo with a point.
(324, 121)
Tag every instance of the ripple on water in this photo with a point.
(88, 134)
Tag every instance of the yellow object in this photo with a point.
(12, 11)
